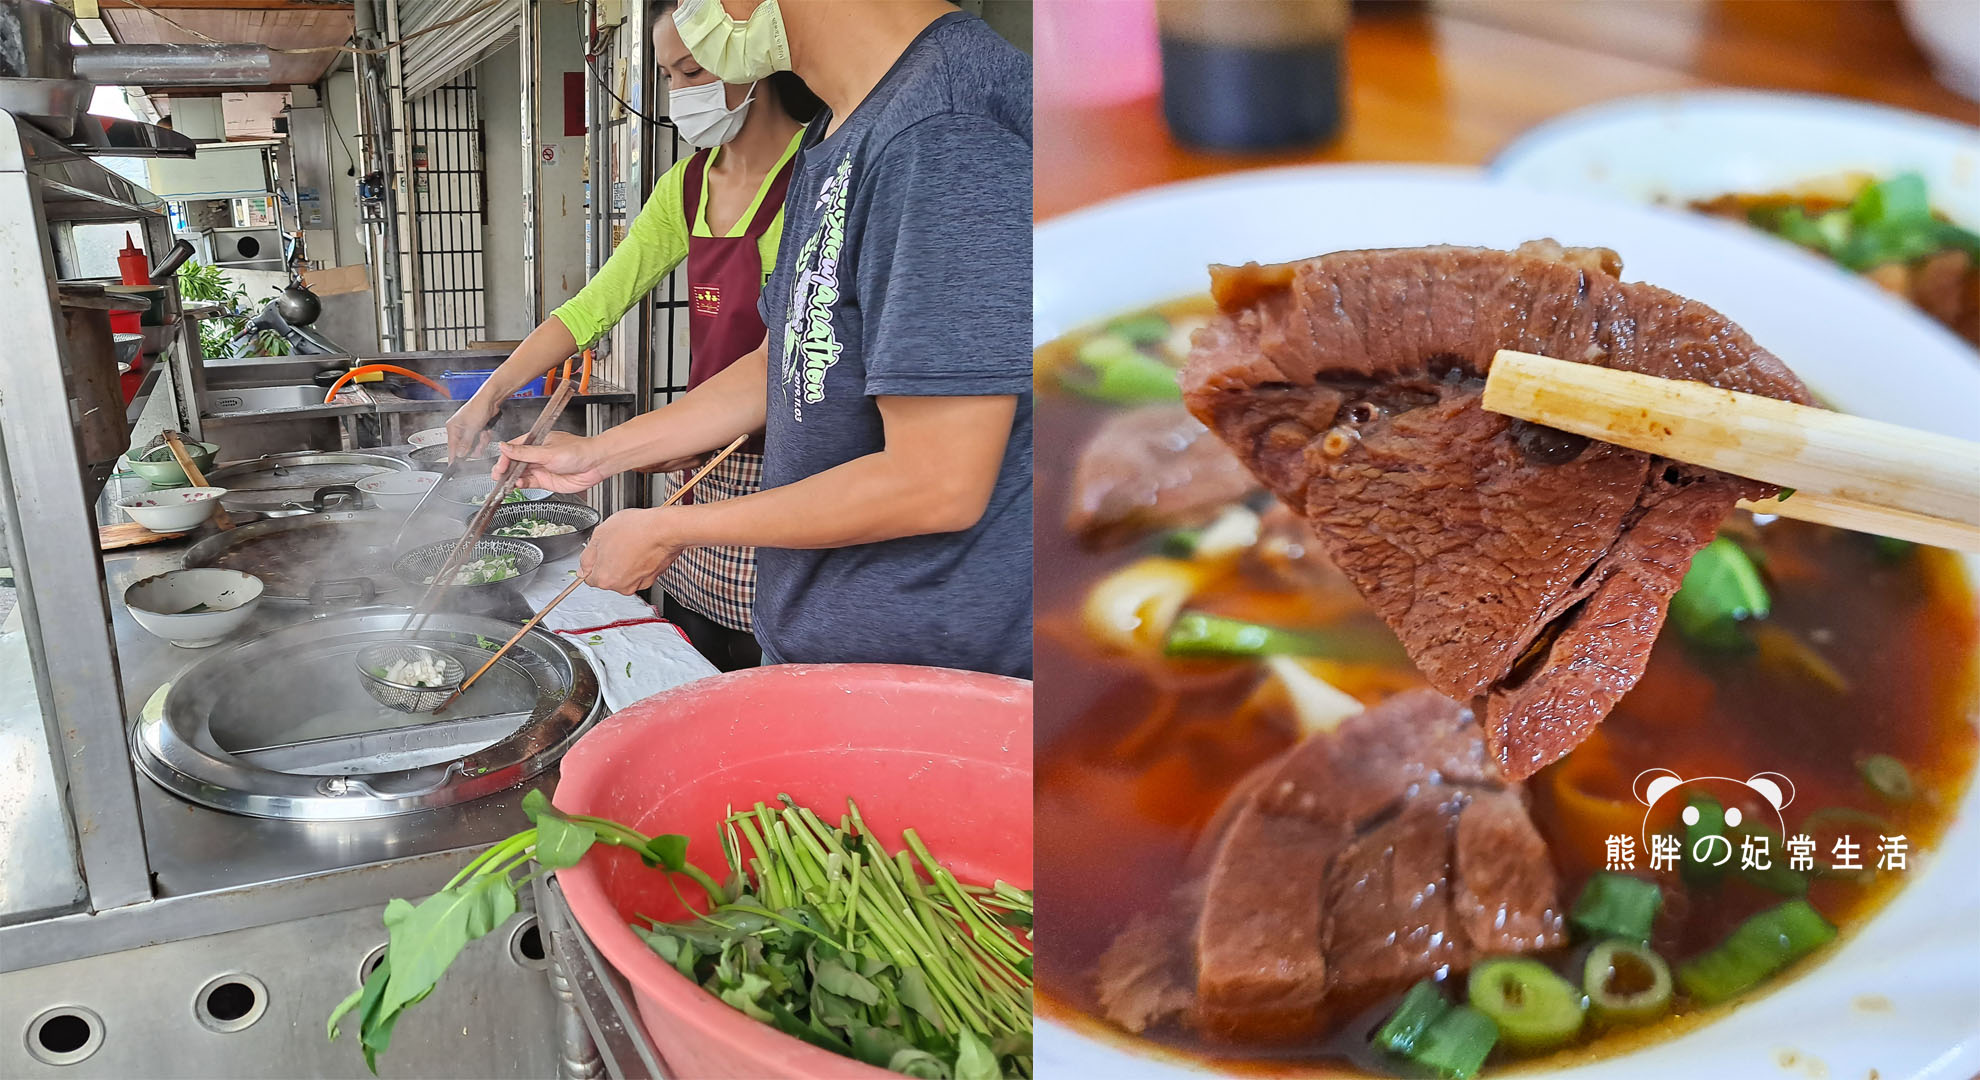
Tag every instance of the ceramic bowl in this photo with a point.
(160, 469)
(194, 608)
(172, 510)
(399, 492)
(465, 494)
(433, 436)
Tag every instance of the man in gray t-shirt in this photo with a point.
(894, 387)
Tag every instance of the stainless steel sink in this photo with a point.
(253, 399)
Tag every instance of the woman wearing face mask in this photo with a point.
(721, 211)
(894, 385)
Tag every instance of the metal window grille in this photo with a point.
(448, 215)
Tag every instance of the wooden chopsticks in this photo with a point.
(504, 483)
(1843, 470)
(582, 578)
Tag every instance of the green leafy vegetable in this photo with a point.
(1711, 821)
(629, 669)
(822, 933)
(1721, 590)
(1889, 221)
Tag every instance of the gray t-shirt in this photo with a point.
(905, 271)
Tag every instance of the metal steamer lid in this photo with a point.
(288, 481)
(281, 726)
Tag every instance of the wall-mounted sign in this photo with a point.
(549, 153)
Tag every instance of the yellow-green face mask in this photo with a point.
(734, 51)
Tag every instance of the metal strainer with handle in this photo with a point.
(374, 660)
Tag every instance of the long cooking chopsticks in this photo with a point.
(506, 482)
(582, 578)
(1842, 470)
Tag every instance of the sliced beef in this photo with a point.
(1148, 468)
(1525, 569)
(1363, 860)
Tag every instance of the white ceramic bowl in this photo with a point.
(1860, 348)
(1949, 32)
(398, 491)
(433, 436)
(172, 510)
(1679, 147)
(165, 604)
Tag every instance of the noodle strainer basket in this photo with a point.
(372, 660)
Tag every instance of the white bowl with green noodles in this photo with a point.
(495, 561)
(558, 528)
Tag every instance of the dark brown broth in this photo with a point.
(1121, 798)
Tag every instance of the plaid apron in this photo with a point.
(719, 582)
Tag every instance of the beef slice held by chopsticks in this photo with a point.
(1525, 569)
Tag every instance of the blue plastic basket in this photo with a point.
(461, 385)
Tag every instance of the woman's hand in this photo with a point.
(562, 462)
(629, 550)
(467, 429)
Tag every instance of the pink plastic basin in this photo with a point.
(946, 753)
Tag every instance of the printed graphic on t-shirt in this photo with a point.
(811, 345)
(707, 299)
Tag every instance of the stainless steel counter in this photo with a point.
(214, 871)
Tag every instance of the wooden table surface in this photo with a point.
(1454, 83)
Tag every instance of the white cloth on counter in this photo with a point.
(586, 608)
(639, 660)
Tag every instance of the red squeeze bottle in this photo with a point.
(132, 266)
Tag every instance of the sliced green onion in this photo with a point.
(1534, 1008)
(1901, 198)
(1179, 543)
(1616, 905)
(1888, 777)
(1777, 877)
(1456, 1044)
(1420, 1008)
(1112, 370)
(1757, 948)
(1147, 328)
(1721, 590)
(1199, 633)
(1626, 983)
(1711, 822)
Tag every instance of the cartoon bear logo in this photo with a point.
(1651, 785)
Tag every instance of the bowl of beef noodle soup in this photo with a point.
(1379, 736)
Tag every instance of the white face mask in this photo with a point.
(702, 114)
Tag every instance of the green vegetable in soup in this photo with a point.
(1613, 905)
(1625, 983)
(514, 497)
(1888, 777)
(1201, 634)
(1147, 328)
(1721, 590)
(1534, 1008)
(1112, 370)
(1777, 877)
(1456, 1044)
(1711, 821)
(1890, 221)
(1756, 949)
(1420, 1008)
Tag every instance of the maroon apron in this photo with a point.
(725, 277)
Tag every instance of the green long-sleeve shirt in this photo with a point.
(657, 243)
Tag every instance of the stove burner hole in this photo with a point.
(65, 1033)
(230, 1003)
(526, 944)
